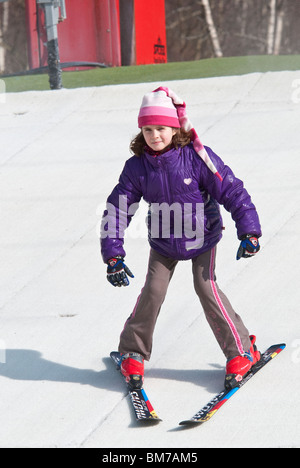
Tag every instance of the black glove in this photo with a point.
(117, 272)
(249, 246)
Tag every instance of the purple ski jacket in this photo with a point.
(184, 217)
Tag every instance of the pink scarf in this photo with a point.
(188, 127)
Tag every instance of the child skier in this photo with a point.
(171, 168)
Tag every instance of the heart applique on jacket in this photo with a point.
(187, 181)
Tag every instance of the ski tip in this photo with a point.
(278, 347)
(148, 421)
(274, 350)
(190, 422)
(115, 356)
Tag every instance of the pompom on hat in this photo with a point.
(164, 107)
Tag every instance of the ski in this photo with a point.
(215, 404)
(142, 407)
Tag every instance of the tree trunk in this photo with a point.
(278, 35)
(271, 27)
(3, 29)
(212, 30)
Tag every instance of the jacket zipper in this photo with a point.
(168, 200)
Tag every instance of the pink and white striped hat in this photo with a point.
(164, 107)
(158, 109)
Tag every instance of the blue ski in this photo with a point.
(215, 404)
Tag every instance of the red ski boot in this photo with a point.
(238, 367)
(132, 368)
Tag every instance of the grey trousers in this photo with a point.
(227, 326)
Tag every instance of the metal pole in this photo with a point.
(52, 17)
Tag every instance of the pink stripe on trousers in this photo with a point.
(221, 305)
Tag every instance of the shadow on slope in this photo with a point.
(27, 364)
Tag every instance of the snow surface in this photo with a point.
(61, 154)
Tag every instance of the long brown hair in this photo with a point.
(180, 138)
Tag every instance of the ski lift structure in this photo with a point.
(77, 34)
(55, 12)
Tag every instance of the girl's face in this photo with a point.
(158, 137)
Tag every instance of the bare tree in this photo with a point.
(212, 29)
(271, 27)
(244, 16)
(278, 34)
(237, 27)
(3, 29)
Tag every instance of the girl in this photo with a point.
(184, 183)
